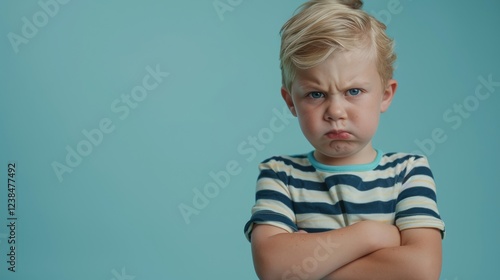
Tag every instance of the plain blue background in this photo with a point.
(118, 212)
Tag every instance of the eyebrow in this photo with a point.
(307, 84)
(308, 87)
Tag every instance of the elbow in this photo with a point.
(265, 269)
(266, 275)
(270, 272)
(270, 275)
(427, 275)
(427, 269)
(269, 267)
(267, 264)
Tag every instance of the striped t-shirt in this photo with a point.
(299, 193)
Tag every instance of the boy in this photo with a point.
(345, 210)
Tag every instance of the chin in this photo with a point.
(337, 153)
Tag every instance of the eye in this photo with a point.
(316, 94)
(354, 91)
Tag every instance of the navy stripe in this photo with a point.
(395, 162)
(308, 168)
(299, 156)
(316, 230)
(308, 185)
(358, 183)
(271, 174)
(268, 216)
(389, 154)
(345, 208)
(419, 170)
(331, 181)
(417, 191)
(274, 195)
(417, 211)
(289, 180)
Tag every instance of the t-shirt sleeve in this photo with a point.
(273, 203)
(416, 205)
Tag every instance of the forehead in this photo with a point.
(341, 68)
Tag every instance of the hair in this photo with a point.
(322, 27)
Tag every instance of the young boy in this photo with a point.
(345, 210)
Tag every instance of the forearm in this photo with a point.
(313, 256)
(409, 261)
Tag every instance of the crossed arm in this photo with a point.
(366, 250)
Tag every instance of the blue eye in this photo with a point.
(354, 91)
(316, 94)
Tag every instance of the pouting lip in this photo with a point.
(338, 134)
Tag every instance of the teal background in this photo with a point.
(118, 211)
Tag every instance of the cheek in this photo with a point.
(309, 121)
(371, 121)
(305, 122)
(367, 119)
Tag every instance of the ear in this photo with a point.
(389, 92)
(287, 96)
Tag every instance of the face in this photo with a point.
(338, 104)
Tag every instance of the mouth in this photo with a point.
(338, 135)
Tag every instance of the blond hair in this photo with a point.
(322, 27)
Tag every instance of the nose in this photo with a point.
(335, 109)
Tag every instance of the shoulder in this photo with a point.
(287, 163)
(401, 159)
(403, 165)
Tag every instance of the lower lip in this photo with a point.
(338, 136)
